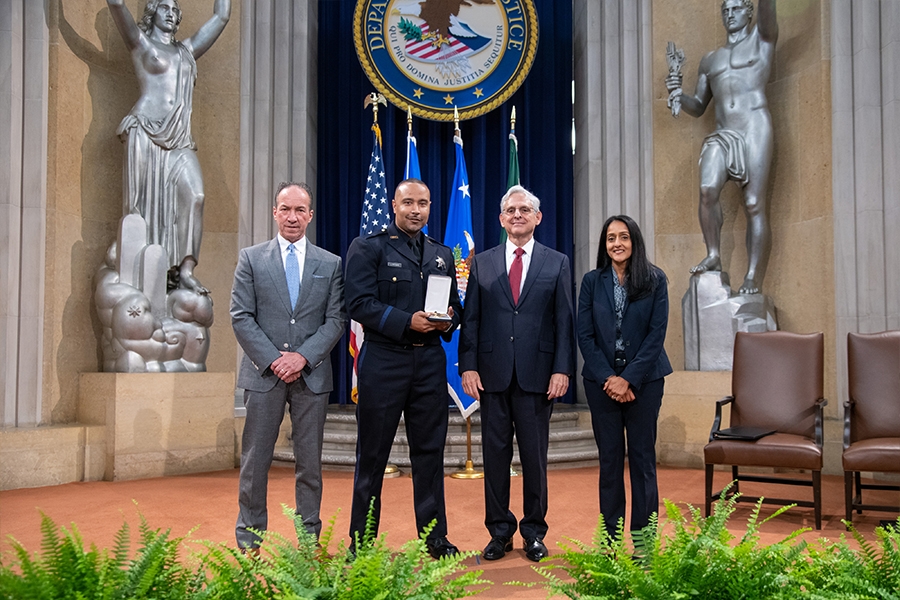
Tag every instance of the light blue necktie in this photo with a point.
(292, 272)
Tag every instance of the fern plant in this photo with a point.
(835, 570)
(699, 559)
(65, 569)
(289, 569)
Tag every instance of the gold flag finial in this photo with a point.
(512, 119)
(409, 119)
(374, 99)
(455, 119)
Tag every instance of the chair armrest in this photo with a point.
(717, 422)
(848, 410)
(820, 417)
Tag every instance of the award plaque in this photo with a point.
(437, 298)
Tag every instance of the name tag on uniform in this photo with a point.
(395, 264)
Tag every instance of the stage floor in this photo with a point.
(209, 502)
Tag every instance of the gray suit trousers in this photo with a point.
(265, 412)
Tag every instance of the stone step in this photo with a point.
(343, 419)
(571, 441)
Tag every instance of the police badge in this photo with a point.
(432, 55)
(441, 264)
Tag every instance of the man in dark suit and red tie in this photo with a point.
(516, 355)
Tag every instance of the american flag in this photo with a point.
(376, 216)
(376, 213)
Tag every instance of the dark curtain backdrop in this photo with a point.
(543, 128)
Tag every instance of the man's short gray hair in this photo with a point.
(533, 200)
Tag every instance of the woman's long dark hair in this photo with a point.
(641, 277)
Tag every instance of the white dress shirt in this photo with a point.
(299, 250)
(526, 259)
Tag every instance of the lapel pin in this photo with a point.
(440, 263)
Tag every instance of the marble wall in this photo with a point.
(92, 87)
(800, 276)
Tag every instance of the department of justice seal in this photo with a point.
(432, 55)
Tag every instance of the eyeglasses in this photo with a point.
(524, 211)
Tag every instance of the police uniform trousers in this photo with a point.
(265, 412)
(614, 424)
(527, 415)
(412, 380)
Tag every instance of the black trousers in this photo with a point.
(614, 423)
(411, 380)
(528, 416)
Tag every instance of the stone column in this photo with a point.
(865, 80)
(279, 54)
(278, 107)
(613, 123)
(24, 75)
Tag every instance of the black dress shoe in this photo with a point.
(535, 549)
(441, 546)
(497, 548)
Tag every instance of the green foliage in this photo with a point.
(871, 573)
(410, 31)
(701, 558)
(697, 558)
(64, 569)
(286, 569)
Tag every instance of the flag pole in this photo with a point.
(469, 472)
(390, 470)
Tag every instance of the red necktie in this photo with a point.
(515, 275)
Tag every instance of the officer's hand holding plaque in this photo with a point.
(437, 298)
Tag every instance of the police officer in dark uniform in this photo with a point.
(401, 365)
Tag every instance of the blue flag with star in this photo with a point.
(458, 236)
(412, 171)
(412, 159)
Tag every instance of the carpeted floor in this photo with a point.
(208, 502)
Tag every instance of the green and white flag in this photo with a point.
(513, 176)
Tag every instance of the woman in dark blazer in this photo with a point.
(623, 311)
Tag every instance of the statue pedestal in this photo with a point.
(160, 424)
(712, 313)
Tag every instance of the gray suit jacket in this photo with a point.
(265, 325)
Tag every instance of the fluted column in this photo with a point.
(24, 69)
(865, 79)
(613, 125)
(278, 111)
(278, 107)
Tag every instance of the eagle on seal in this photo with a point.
(437, 13)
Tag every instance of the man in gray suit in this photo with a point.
(287, 311)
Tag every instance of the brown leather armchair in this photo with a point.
(871, 415)
(776, 385)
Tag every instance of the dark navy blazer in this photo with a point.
(643, 330)
(535, 336)
(385, 284)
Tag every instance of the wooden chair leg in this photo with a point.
(848, 496)
(817, 497)
(734, 477)
(709, 481)
(858, 498)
